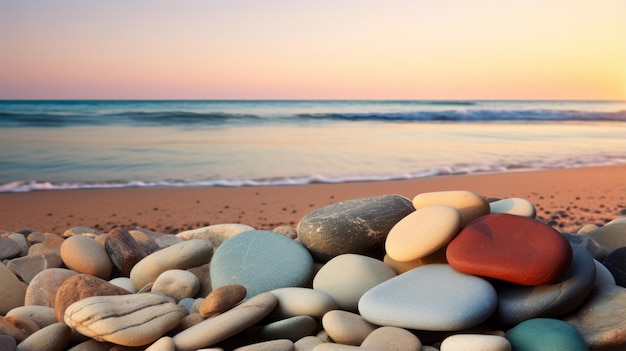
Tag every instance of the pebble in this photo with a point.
(434, 297)
(127, 320)
(337, 347)
(307, 343)
(216, 233)
(348, 276)
(27, 267)
(261, 261)
(612, 236)
(43, 288)
(222, 299)
(273, 345)
(218, 328)
(438, 256)
(287, 231)
(515, 206)
(463, 342)
(517, 303)
(177, 284)
(13, 291)
(7, 343)
(511, 248)
(9, 248)
(346, 328)
(422, 232)
(123, 250)
(596, 250)
(292, 328)
(20, 240)
(600, 319)
(54, 337)
(18, 328)
(163, 344)
(615, 262)
(146, 238)
(587, 228)
(43, 316)
(84, 255)
(168, 240)
(545, 334)
(80, 286)
(603, 275)
(185, 255)
(357, 226)
(392, 339)
(82, 231)
(471, 205)
(124, 283)
(298, 301)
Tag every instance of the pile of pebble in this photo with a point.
(444, 271)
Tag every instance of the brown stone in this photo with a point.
(27, 267)
(79, 287)
(43, 288)
(222, 299)
(146, 238)
(54, 337)
(7, 342)
(123, 250)
(18, 327)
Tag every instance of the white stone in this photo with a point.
(296, 301)
(464, 342)
(515, 206)
(177, 284)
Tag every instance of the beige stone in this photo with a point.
(612, 236)
(272, 345)
(54, 337)
(43, 288)
(515, 206)
(462, 342)
(296, 301)
(43, 316)
(216, 233)
(12, 292)
(222, 299)
(471, 205)
(347, 328)
(307, 343)
(84, 255)
(392, 339)
(163, 344)
(177, 284)
(438, 256)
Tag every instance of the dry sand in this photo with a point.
(567, 198)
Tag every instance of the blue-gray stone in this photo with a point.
(433, 297)
(357, 226)
(615, 262)
(517, 303)
(293, 328)
(545, 334)
(261, 260)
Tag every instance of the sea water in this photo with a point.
(100, 144)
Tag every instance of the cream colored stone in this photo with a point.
(347, 328)
(296, 301)
(392, 339)
(177, 284)
(471, 205)
(515, 206)
(84, 254)
(422, 232)
(216, 233)
(438, 256)
(42, 315)
(128, 320)
(124, 283)
(12, 292)
(272, 345)
(463, 342)
(163, 344)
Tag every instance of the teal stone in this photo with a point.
(261, 260)
(545, 334)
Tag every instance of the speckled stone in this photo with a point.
(470, 204)
(12, 292)
(434, 297)
(43, 288)
(353, 226)
(615, 262)
(511, 248)
(517, 303)
(123, 250)
(545, 334)
(261, 261)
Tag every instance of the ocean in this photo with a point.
(46, 145)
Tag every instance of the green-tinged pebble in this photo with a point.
(545, 334)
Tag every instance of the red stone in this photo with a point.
(511, 248)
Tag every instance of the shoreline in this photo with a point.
(566, 198)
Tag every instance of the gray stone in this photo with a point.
(612, 236)
(261, 261)
(8, 248)
(596, 250)
(615, 262)
(7, 343)
(51, 338)
(352, 226)
(517, 303)
(12, 291)
(42, 315)
(293, 328)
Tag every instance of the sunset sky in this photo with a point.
(272, 49)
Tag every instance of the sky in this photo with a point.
(339, 49)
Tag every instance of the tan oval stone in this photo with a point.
(307, 343)
(12, 292)
(272, 345)
(611, 236)
(216, 233)
(347, 328)
(462, 342)
(296, 301)
(128, 320)
(471, 205)
(438, 256)
(422, 232)
(84, 255)
(42, 315)
(163, 344)
(222, 299)
(43, 288)
(392, 339)
(54, 337)
(18, 327)
(177, 284)
(185, 255)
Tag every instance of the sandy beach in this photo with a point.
(566, 198)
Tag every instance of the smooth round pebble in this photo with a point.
(261, 261)
(163, 344)
(272, 345)
(434, 297)
(302, 302)
(347, 328)
(177, 284)
(42, 315)
(292, 328)
(392, 339)
(54, 337)
(307, 343)
(13, 291)
(84, 255)
(216, 233)
(545, 334)
(470, 204)
(515, 206)
(222, 299)
(9, 248)
(7, 343)
(612, 236)
(43, 288)
(464, 342)
(347, 277)
(603, 275)
(615, 262)
(124, 283)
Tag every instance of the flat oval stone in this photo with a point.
(615, 262)
(612, 236)
(422, 232)
(347, 277)
(163, 344)
(462, 342)
(515, 206)
(600, 319)
(517, 303)
(54, 337)
(84, 255)
(185, 255)
(302, 302)
(9, 249)
(346, 327)
(603, 276)
(219, 328)
(42, 315)
(27, 267)
(216, 233)
(511, 248)
(292, 328)
(272, 345)
(177, 284)
(13, 291)
(222, 299)
(434, 297)
(392, 339)
(123, 250)
(438, 256)
(261, 261)
(545, 334)
(43, 288)
(307, 343)
(353, 226)
(80, 286)
(128, 320)
(20, 240)
(471, 205)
